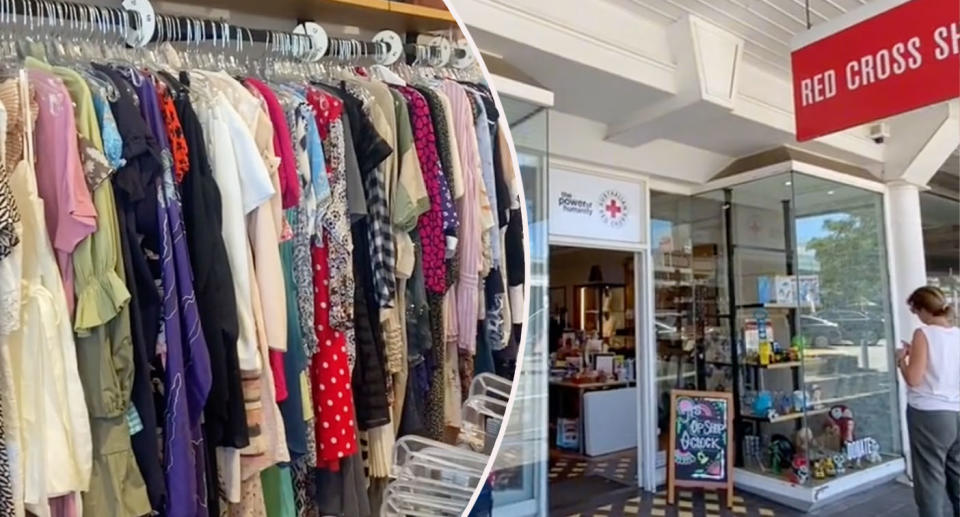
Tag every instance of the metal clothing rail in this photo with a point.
(138, 24)
(141, 25)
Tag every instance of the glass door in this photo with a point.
(520, 468)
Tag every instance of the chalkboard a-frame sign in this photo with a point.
(701, 442)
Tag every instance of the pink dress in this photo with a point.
(67, 205)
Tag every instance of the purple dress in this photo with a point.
(187, 377)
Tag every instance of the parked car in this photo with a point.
(820, 333)
(857, 326)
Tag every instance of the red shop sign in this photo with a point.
(894, 61)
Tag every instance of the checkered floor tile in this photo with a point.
(621, 467)
(888, 500)
(688, 504)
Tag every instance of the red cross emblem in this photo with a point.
(613, 208)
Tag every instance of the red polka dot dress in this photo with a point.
(330, 376)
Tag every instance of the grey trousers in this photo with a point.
(935, 451)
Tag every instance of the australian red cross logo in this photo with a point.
(613, 208)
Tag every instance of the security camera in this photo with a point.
(880, 132)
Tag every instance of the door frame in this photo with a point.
(645, 358)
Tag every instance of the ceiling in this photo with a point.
(579, 89)
(767, 26)
(952, 165)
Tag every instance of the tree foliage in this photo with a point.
(851, 259)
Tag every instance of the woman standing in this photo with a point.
(930, 365)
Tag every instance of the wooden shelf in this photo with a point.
(372, 15)
(421, 11)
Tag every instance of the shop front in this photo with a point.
(767, 268)
(770, 280)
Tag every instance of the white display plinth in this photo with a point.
(610, 421)
(810, 497)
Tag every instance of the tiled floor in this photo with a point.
(620, 500)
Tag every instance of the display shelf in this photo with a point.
(855, 396)
(670, 269)
(785, 418)
(672, 377)
(368, 14)
(759, 248)
(851, 470)
(772, 366)
(816, 411)
(827, 378)
(765, 306)
(662, 282)
(670, 313)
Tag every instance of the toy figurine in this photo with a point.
(800, 399)
(803, 440)
(818, 470)
(798, 344)
(817, 396)
(800, 470)
(786, 403)
(830, 439)
(843, 417)
(775, 458)
(839, 463)
(781, 453)
(873, 450)
(762, 403)
(828, 467)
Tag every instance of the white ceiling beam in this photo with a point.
(608, 39)
(708, 63)
(522, 91)
(918, 163)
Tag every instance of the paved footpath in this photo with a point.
(890, 500)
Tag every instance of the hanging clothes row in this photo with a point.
(228, 291)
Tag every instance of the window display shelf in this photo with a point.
(851, 470)
(772, 366)
(826, 403)
(855, 396)
(785, 418)
(809, 379)
(766, 306)
(759, 248)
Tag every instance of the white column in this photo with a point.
(908, 271)
(905, 234)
